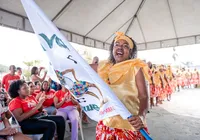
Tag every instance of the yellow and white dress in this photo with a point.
(121, 79)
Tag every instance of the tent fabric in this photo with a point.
(151, 23)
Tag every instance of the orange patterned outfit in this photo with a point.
(171, 87)
(121, 79)
(165, 86)
(187, 78)
(184, 80)
(156, 91)
(195, 77)
(179, 78)
(104, 132)
(152, 88)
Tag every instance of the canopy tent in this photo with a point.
(151, 23)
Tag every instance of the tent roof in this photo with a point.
(151, 23)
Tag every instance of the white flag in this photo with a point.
(67, 67)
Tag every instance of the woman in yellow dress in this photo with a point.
(171, 82)
(124, 74)
(179, 79)
(165, 83)
(152, 88)
(157, 84)
(188, 77)
(196, 78)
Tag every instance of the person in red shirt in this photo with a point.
(10, 77)
(67, 107)
(33, 92)
(28, 112)
(7, 130)
(37, 85)
(49, 94)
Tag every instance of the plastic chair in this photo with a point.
(80, 124)
(13, 121)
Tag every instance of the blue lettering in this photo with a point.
(90, 107)
(95, 107)
(49, 41)
(43, 48)
(59, 42)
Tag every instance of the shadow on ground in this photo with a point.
(164, 125)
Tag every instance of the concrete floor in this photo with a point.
(178, 119)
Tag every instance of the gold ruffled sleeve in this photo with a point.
(145, 71)
(121, 79)
(103, 69)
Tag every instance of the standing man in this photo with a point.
(10, 77)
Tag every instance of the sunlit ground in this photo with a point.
(186, 103)
(177, 119)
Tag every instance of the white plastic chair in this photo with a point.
(80, 124)
(33, 137)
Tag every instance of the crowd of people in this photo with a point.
(41, 106)
(164, 81)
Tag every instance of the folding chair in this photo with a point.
(13, 119)
(80, 124)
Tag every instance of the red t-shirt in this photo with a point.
(26, 104)
(7, 79)
(37, 91)
(49, 98)
(60, 95)
(34, 95)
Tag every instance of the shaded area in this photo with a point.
(84, 22)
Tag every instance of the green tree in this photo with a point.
(29, 64)
(3, 69)
(87, 56)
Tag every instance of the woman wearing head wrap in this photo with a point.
(165, 83)
(196, 77)
(125, 76)
(157, 84)
(171, 87)
(152, 85)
